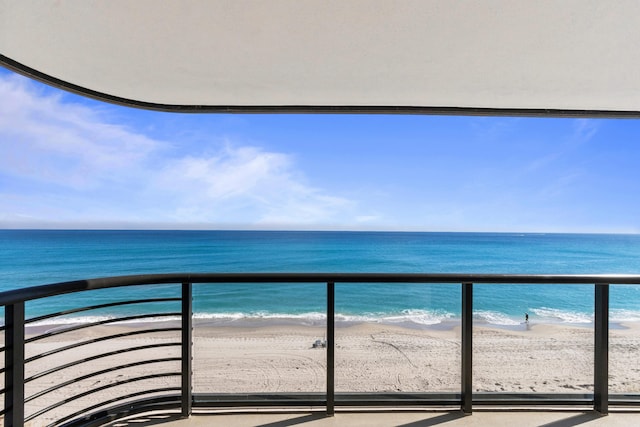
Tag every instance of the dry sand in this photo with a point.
(369, 358)
(383, 358)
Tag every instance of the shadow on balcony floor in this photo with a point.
(398, 419)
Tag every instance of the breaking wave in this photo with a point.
(554, 315)
(416, 317)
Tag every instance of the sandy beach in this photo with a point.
(385, 358)
(369, 358)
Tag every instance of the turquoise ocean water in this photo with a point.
(36, 257)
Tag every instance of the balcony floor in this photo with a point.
(399, 419)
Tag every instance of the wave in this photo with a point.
(621, 315)
(110, 319)
(554, 315)
(411, 316)
(259, 315)
(415, 317)
(308, 319)
(418, 317)
(494, 318)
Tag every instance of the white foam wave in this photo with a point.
(421, 317)
(416, 316)
(564, 316)
(494, 318)
(230, 317)
(409, 316)
(620, 315)
(61, 321)
(219, 316)
(71, 320)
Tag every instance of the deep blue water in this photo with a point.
(36, 257)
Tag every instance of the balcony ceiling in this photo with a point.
(349, 55)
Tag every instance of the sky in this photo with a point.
(71, 162)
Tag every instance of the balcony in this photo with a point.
(156, 357)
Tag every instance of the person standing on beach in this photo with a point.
(526, 318)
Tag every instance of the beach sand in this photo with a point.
(368, 358)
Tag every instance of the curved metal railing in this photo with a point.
(37, 371)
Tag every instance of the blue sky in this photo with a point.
(70, 162)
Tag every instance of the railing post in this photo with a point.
(14, 365)
(601, 349)
(467, 348)
(187, 329)
(331, 310)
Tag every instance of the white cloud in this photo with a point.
(247, 184)
(45, 140)
(66, 162)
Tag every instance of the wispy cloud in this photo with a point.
(66, 161)
(247, 184)
(583, 130)
(47, 141)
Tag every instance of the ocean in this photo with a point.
(37, 257)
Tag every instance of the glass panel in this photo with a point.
(397, 338)
(624, 339)
(257, 338)
(550, 351)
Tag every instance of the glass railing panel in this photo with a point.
(401, 338)
(624, 339)
(268, 338)
(259, 338)
(533, 338)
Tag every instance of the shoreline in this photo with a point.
(261, 322)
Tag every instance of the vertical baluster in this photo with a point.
(601, 349)
(14, 365)
(187, 330)
(467, 347)
(330, 348)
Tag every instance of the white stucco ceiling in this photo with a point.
(503, 54)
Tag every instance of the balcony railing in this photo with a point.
(169, 387)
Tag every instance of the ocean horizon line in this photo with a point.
(64, 228)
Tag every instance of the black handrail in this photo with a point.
(36, 292)
(15, 324)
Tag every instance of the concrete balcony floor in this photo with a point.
(400, 419)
